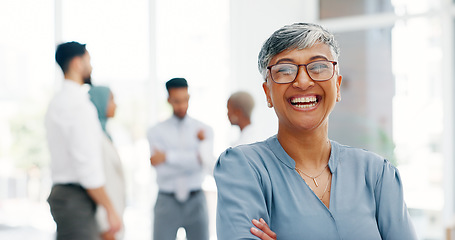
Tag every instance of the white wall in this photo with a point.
(251, 23)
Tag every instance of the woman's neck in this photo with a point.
(310, 150)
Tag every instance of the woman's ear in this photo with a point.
(338, 85)
(266, 88)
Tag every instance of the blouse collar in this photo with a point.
(282, 155)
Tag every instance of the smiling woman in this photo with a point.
(303, 86)
(298, 183)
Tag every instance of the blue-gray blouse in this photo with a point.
(259, 181)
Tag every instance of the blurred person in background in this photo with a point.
(299, 184)
(240, 106)
(74, 137)
(180, 148)
(115, 185)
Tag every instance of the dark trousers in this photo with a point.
(74, 213)
(170, 215)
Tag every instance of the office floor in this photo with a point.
(24, 219)
(21, 220)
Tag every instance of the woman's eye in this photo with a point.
(285, 70)
(319, 67)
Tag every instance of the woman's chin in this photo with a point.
(300, 125)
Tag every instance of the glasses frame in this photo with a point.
(334, 63)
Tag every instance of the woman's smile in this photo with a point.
(305, 103)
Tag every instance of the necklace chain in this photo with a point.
(325, 190)
(315, 182)
(314, 178)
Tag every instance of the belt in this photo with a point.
(73, 185)
(192, 193)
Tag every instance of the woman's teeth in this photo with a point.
(304, 102)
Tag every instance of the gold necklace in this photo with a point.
(325, 190)
(314, 178)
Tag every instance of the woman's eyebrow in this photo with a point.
(318, 57)
(311, 59)
(285, 60)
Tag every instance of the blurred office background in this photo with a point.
(397, 92)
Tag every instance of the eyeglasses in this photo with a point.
(282, 73)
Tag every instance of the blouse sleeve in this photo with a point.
(240, 196)
(392, 215)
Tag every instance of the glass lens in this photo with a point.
(284, 73)
(320, 70)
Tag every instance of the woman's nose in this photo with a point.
(303, 80)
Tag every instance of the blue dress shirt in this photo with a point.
(186, 156)
(259, 181)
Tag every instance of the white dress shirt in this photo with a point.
(74, 138)
(186, 156)
(248, 135)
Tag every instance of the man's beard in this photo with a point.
(180, 115)
(88, 80)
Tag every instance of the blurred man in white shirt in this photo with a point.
(181, 148)
(74, 138)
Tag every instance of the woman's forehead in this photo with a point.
(318, 50)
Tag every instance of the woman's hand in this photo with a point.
(107, 236)
(264, 231)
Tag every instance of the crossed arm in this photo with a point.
(158, 157)
(241, 194)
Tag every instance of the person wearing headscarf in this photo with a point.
(103, 100)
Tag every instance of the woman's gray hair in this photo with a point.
(295, 36)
